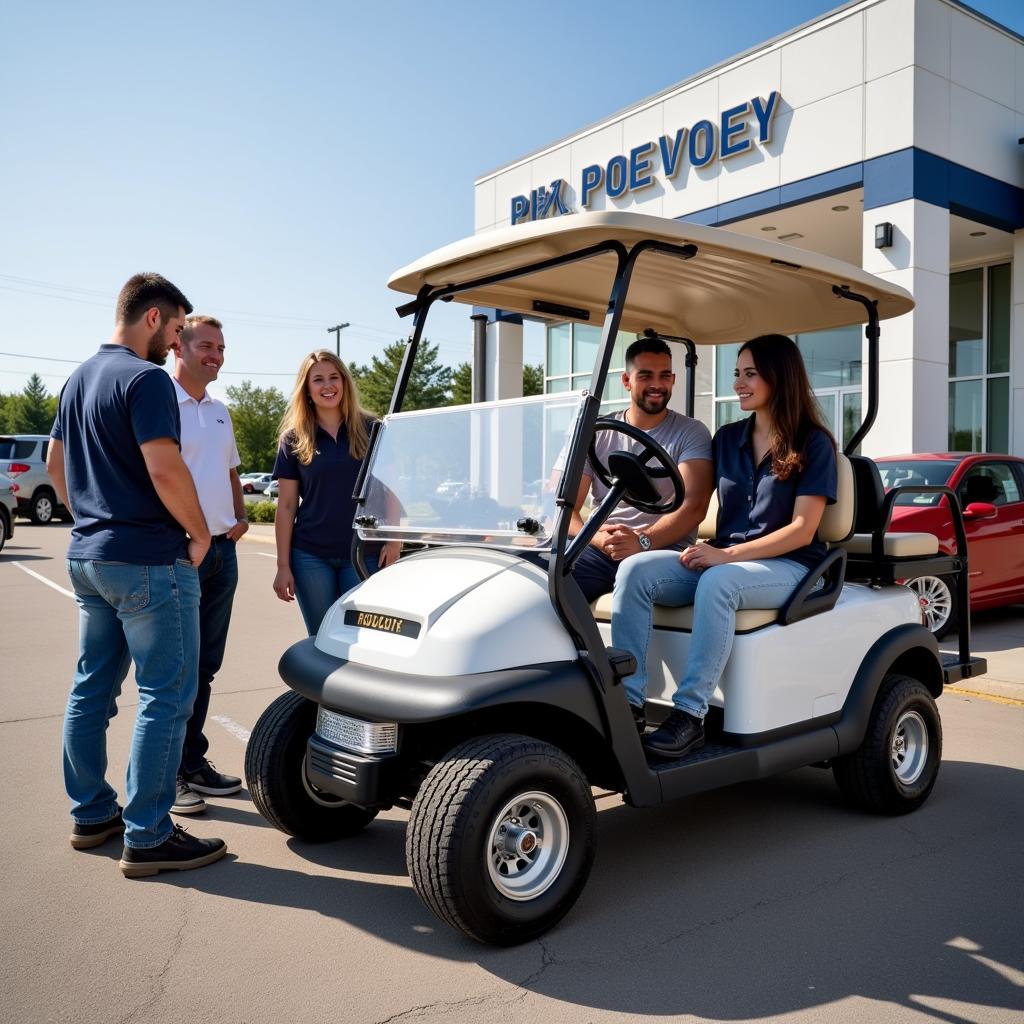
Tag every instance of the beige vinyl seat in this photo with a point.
(836, 528)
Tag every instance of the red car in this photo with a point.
(991, 493)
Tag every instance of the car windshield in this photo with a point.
(482, 474)
(908, 472)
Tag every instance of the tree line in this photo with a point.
(256, 412)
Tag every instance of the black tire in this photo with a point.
(460, 811)
(275, 773)
(878, 777)
(939, 603)
(5, 529)
(43, 507)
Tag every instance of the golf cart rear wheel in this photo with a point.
(895, 767)
(275, 772)
(501, 838)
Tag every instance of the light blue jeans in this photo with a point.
(658, 577)
(319, 582)
(148, 614)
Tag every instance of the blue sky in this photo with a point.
(279, 161)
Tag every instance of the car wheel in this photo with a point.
(42, 508)
(894, 769)
(937, 597)
(275, 772)
(5, 530)
(501, 838)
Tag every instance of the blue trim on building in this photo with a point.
(906, 174)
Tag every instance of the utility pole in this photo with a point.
(336, 331)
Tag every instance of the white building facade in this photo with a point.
(887, 133)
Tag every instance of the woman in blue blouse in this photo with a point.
(775, 472)
(324, 437)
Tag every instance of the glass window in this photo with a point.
(997, 415)
(991, 482)
(581, 381)
(965, 323)
(622, 342)
(558, 351)
(725, 368)
(916, 472)
(727, 412)
(827, 406)
(585, 342)
(558, 384)
(832, 358)
(999, 320)
(851, 415)
(613, 388)
(965, 419)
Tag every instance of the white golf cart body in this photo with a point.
(483, 633)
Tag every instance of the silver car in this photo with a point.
(23, 459)
(8, 508)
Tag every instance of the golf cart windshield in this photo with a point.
(482, 474)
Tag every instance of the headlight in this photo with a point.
(355, 734)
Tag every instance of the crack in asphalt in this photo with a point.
(160, 980)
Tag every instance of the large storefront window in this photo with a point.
(571, 355)
(833, 361)
(979, 359)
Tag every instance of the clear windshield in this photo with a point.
(915, 472)
(485, 473)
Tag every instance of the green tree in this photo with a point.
(462, 384)
(533, 380)
(256, 414)
(30, 412)
(429, 384)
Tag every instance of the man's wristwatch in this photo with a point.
(645, 541)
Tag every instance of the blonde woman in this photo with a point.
(324, 437)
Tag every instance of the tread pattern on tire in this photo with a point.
(432, 824)
(858, 774)
(267, 778)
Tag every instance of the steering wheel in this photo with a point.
(649, 449)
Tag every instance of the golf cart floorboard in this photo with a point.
(709, 752)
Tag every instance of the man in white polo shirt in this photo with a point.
(208, 448)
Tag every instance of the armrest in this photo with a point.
(805, 601)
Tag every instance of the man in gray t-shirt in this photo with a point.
(649, 379)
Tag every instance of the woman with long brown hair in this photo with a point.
(775, 472)
(324, 438)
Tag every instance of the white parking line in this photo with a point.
(238, 731)
(262, 554)
(43, 579)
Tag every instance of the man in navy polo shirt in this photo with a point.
(115, 461)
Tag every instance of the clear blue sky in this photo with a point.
(279, 161)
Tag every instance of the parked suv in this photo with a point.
(23, 459)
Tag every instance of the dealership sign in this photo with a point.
(734, 132)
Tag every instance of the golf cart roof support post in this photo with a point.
(423, 303)
(690, 363)
(871, 332)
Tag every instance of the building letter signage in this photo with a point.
(734, 132)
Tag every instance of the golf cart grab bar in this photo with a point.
(805, 601)
(872, 333)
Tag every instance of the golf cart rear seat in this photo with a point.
(836, 527)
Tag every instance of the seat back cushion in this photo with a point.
(709, 527)
(837, 521)
(870, 493)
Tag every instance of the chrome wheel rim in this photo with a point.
(909, 747)
(527, 845)
(44, 510)
(935, 599)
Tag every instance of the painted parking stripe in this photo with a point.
(43, 579)
(238, 731)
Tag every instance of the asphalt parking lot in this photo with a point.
(767, 900)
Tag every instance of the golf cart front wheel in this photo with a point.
(275, 772)
(895, 767)
(501, 838)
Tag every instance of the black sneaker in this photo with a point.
(680, 734)
(639, 718)
(208, 780)
(185, 801)
(178, 852)
(85, 837)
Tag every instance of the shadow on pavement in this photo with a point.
(759, 899)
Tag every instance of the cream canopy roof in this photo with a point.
(730, 291)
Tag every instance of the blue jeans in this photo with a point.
(218, 578)
(658, 577)
(148, 614)
(595, 572)
(319, 582)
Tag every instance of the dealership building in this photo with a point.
(887, 133)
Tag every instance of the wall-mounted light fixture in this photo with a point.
(883, 235)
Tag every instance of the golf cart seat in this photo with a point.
(836, 527)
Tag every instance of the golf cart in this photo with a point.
(471, 683)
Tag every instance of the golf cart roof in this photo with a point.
(735, 287)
